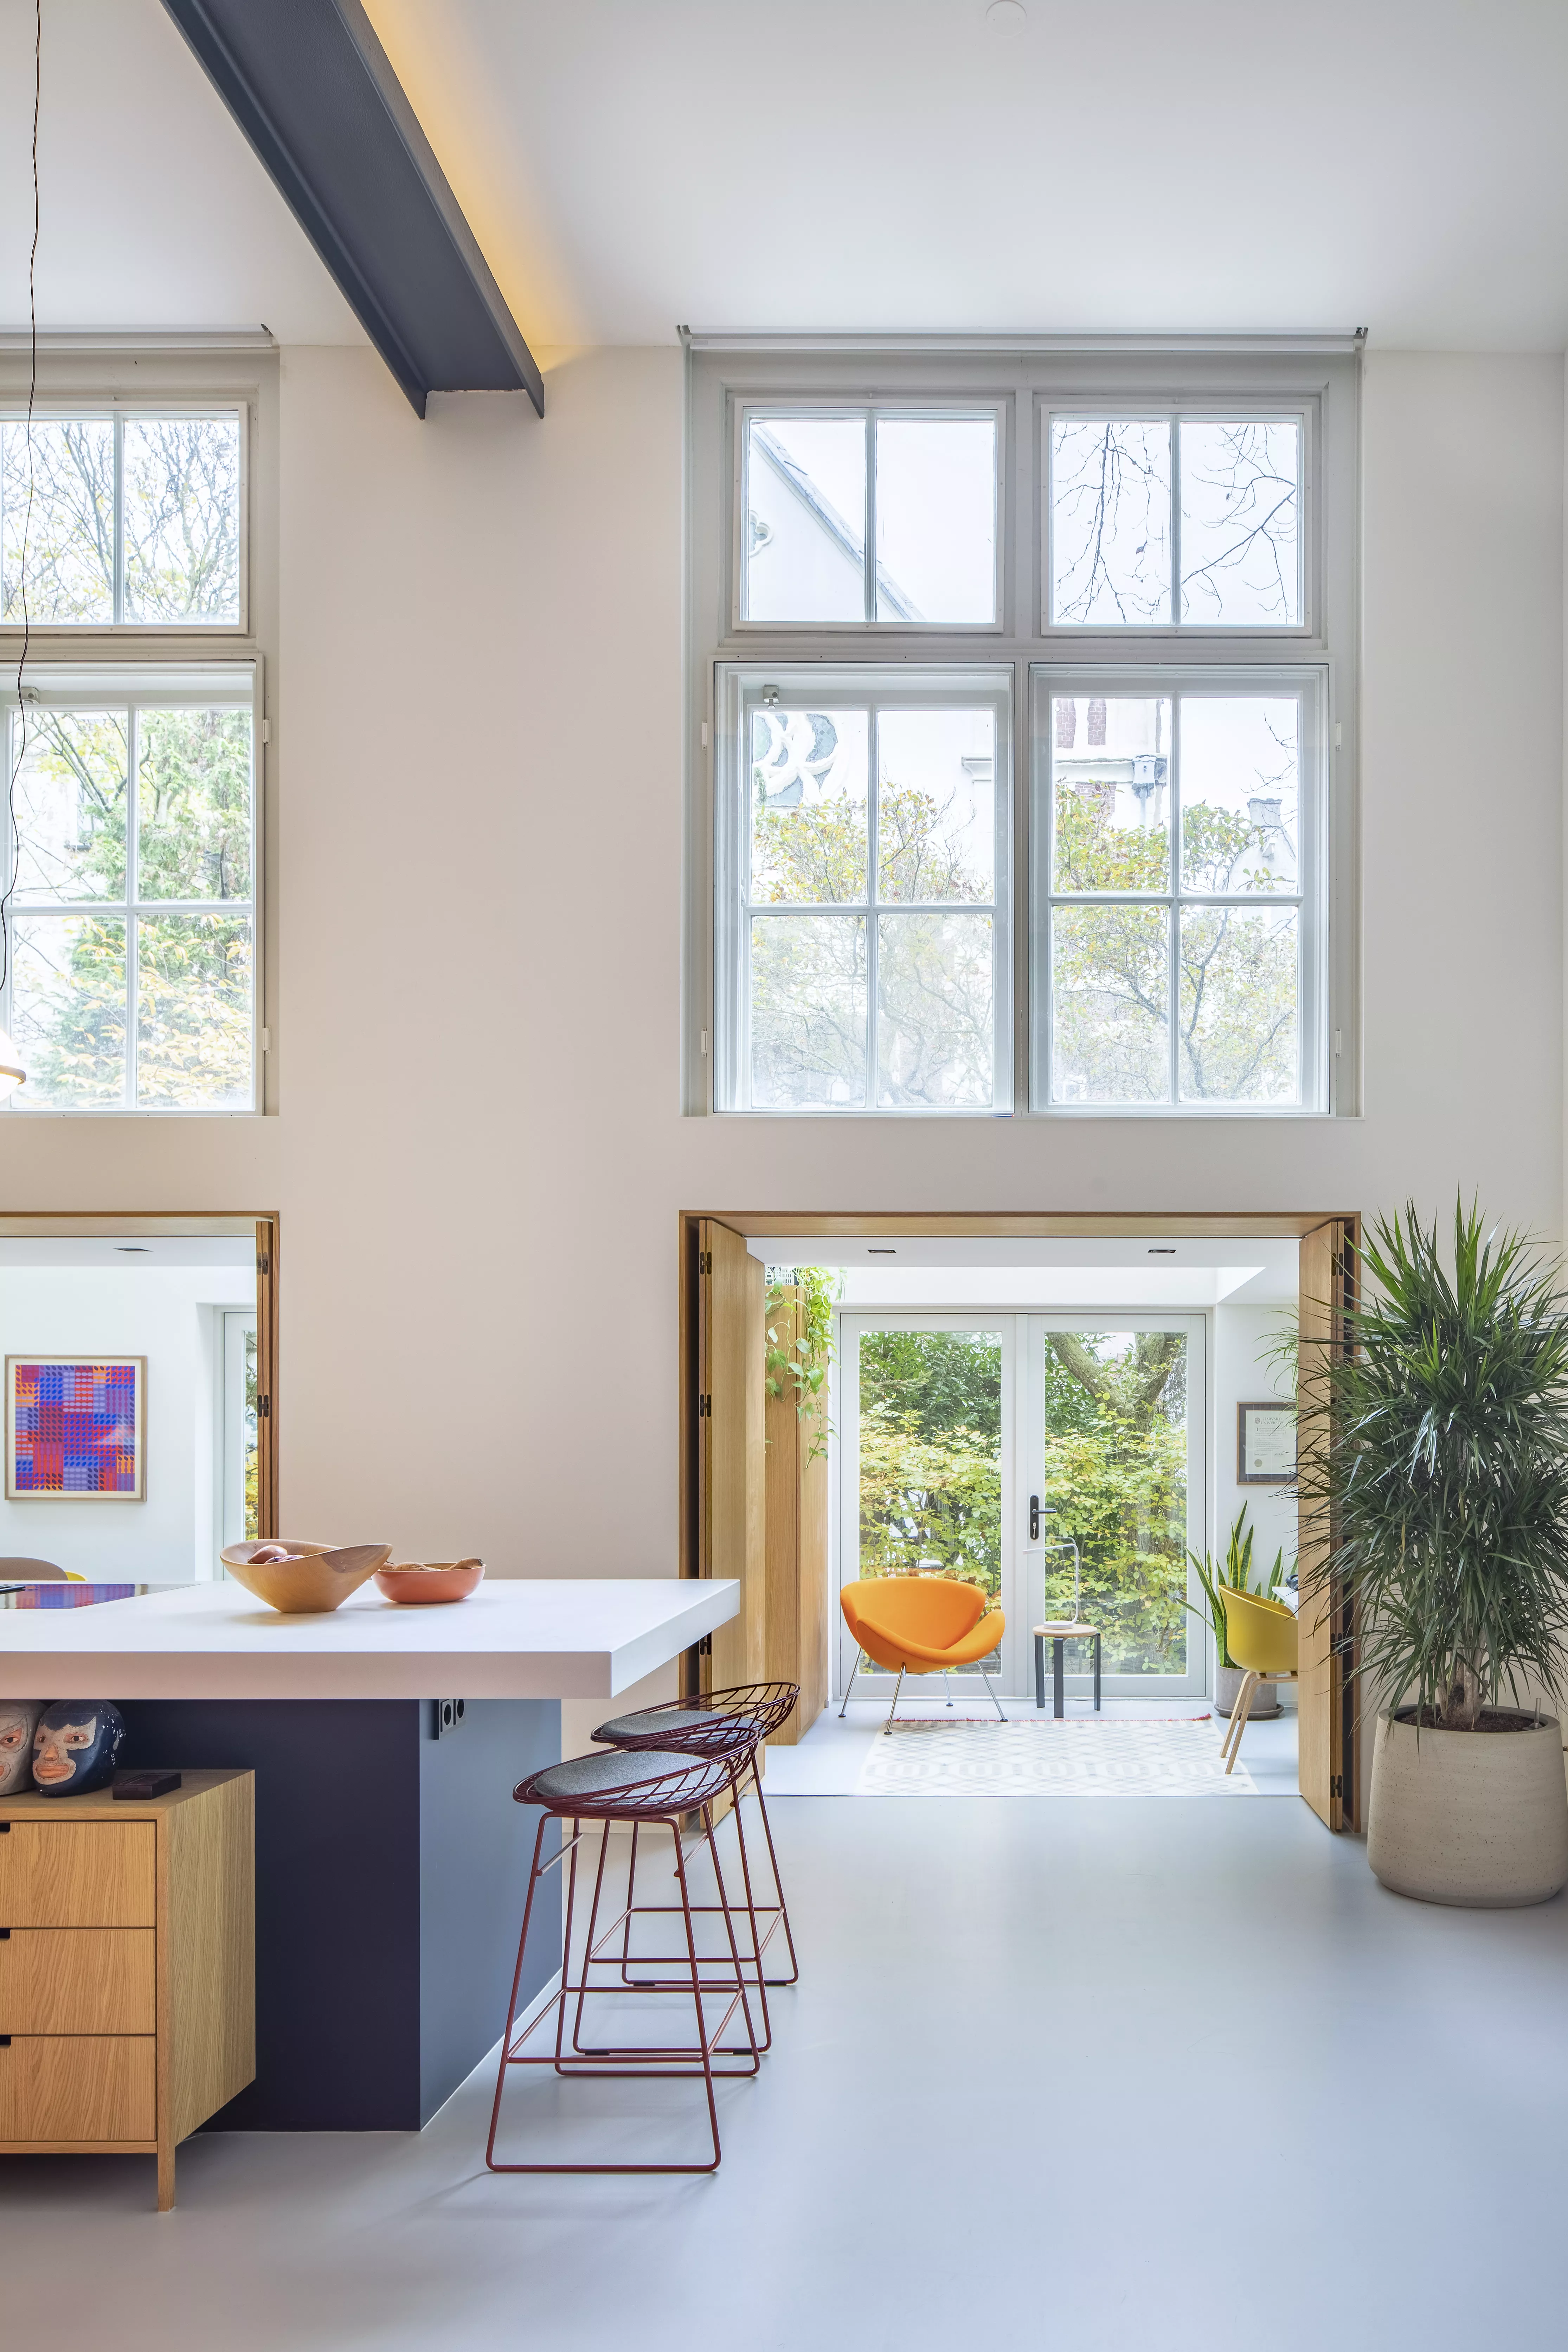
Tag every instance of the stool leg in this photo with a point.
(1097, 1674)
(533, 1877)
(696, 2000)
(1040, 1671)
(794, 1976)
(1058, 1676)
(756, 2048)
(582, 1988)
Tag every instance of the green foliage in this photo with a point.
(1237, 984)
(194, 991)
(1116, 1479)
(799, 1367)
(931, 1472)
(1232, 1574)
(931, 1456)
(1438, 1478)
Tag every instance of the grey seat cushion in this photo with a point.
(668, 1720)
(593, 1779)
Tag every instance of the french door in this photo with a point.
(987, 1445)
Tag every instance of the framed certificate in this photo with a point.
(1265, 1443)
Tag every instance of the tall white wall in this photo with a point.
(477, 762)
(166, 1314)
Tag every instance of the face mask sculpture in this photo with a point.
(75, 1746)
(18, 1721)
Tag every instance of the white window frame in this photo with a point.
(234, 1324)
(828, 688)
(1305, 414)
(194, 373)
(827, 411)
(1027, 380)
(133, 687)
(121, 410)
(1309, 687)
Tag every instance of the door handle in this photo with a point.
(1034, 1518)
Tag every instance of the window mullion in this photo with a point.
(132, 891)
(873, 894)
(1175, 522)
(869, 541)
(119, 590)
(1175, 916)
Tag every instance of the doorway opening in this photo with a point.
(1049, 1408)
(139, 1384)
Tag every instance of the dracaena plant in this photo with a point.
(1434, 1467)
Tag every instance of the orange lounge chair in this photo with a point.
(919, 1625)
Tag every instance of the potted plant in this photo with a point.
(1435, 1474)
(1233, 1574)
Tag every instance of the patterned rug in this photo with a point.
(1072, 1758)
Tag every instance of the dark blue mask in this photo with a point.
(75, 1746)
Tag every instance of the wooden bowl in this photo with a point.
(322, 1576)
(414, 1583)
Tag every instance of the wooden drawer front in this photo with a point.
(78, 1874)
(79, 2087)
(79, 1981)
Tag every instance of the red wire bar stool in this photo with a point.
(645, 1789)
(729, 1725)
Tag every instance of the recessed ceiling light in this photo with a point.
(132, 1249)
(872, 1249)
(1007, 16)
(1162, 1251)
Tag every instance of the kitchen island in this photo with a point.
(391, 1862)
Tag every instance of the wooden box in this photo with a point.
(127, 1968)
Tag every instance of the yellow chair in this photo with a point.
(919, 1625)
(1261, 1637)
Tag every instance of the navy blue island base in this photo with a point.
(390, 1868)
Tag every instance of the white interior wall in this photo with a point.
(166, 1314)
(477, 772)
(1241, 1374)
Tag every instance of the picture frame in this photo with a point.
(1265, 1443)
(75, 1429)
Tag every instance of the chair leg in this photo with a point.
(947, 1684)
(778, 1883)
(533, 1878)
(888, 1726)
(849, 1686)
(1238, 1719)
(989, 1692)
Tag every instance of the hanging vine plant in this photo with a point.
(798, 1367)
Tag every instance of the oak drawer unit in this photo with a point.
(127, 1968)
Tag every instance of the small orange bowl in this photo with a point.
(417, 1583)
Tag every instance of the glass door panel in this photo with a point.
(1116, 1457)
(927, 1457)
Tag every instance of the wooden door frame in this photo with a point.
(1014, 1225)
(263, 1228)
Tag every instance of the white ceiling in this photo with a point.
(856, 165)
(130, 1253)
(1149, 1272)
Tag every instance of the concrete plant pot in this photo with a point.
(1477, 1818)
(1227, 1685)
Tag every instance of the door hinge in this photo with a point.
(705, 1647)
(704, 1261)
(264, 1408)
(264, 1264)
(1336, 1785)
(267, 731)
(704, 1408)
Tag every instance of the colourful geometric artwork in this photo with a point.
(75, 1430)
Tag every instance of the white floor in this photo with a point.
(1163, 2074)
(827, 1762)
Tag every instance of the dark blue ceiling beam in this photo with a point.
(313, 89)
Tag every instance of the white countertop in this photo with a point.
(520, 1637)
